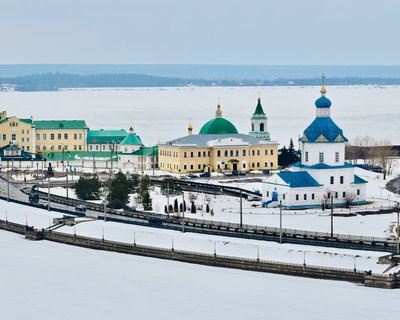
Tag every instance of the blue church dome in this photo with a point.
(323, 102)
(323, 130)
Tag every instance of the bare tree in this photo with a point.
(349, 199)
(384, 155)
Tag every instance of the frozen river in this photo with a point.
(163, 113)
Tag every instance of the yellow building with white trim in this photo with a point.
(219, 147)
(18, 132)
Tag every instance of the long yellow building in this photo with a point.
(43, 136)
(219, 147)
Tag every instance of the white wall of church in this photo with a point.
(329, 151)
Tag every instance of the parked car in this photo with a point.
(80, 208)
(242, 173)
(228, 173)
(192, 175)
(205, 174)
(253, 198)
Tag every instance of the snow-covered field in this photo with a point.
(44, 280)
(163, 113)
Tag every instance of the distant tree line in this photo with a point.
(57, 81)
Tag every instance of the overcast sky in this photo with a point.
(361, 32)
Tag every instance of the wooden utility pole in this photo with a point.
(241, 210)
(331, 215)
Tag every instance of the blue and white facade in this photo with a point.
(322, 173)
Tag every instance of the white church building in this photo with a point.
(322, 176)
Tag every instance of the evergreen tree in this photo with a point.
(121, 187)
(193, 208)
(147, 202)
(144, 185)
(176, 205)
(135, 182)
(87, 187)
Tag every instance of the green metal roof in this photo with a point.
(147, 151)
(218, 126)
(60, 124)
(131, 139)
(78, 156)
(106, 136)
(28, 121)
(259, 108)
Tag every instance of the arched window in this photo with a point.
(261, 127)
(252, 127)
(231, 153)
(226, 153)
(244, 152)
(237, 153)
(218, 153)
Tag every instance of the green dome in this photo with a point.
(218, 126)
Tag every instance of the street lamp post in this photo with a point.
(280, 221)
(331, 215)
(241, 210)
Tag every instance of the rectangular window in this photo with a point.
(80, 147)
(305, 196)
(332, 180)
(191, 154)
(185, 154)
(23, 139)
(272, 165)
(336, 195)
(244, 166)
(284, 196)
(252, 164)
(204, 154)
(358, 192)
(44, 148)
(253, 152)
(66, 136)
(59, 136)
(306, 156)
(22, 131)
(52, 136)
(59, 147)
(344, 194)
(336, 156)
(13, 137)
(266, 152)
(80, 136)
(267, 193)
(199, 166)
(199, 154)
(44, 136)
(329, 195)
(75, 136)
(77, 148)
(313, 196)
(4, 137)
(297, 197)
(341, 179)
(37, 136)
(258, 164)
(258, 152)
(209, 153)
(321, 157)
(244, 153)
